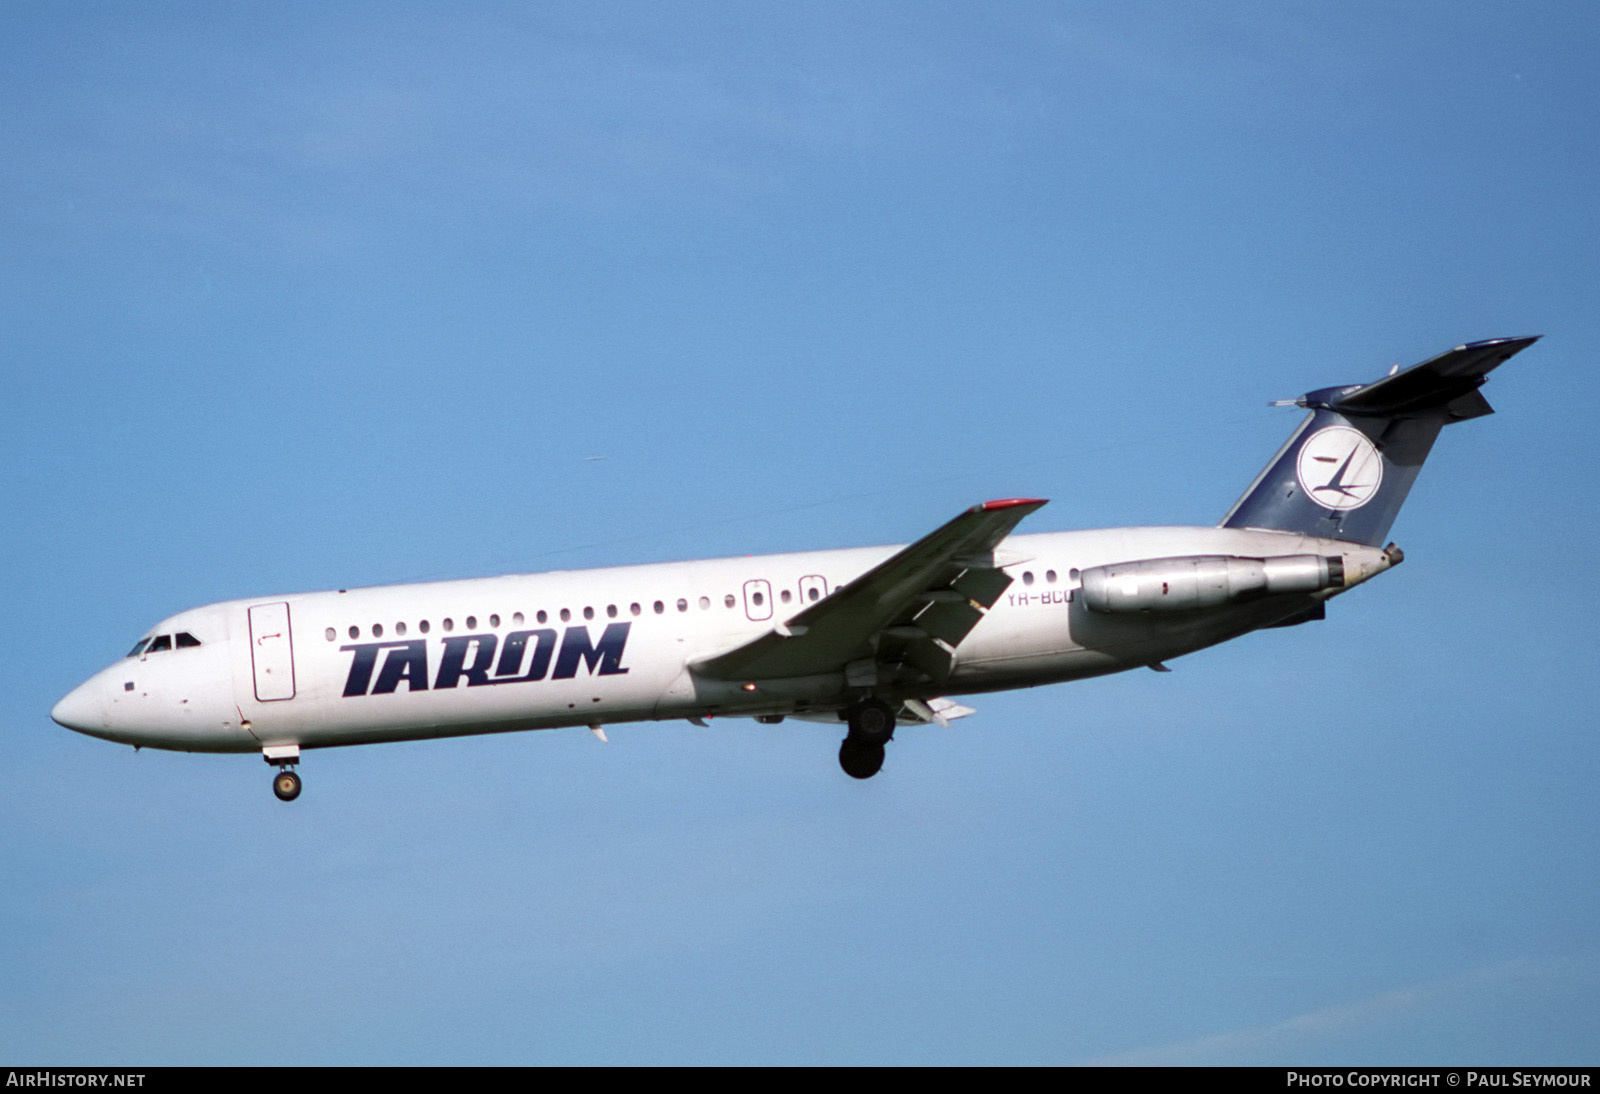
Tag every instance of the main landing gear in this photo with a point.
(286, 783)
(871, 727)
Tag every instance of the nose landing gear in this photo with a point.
(286, 783)
(871, 727)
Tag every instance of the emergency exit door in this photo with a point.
(757, 600)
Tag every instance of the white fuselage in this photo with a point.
(593, 647)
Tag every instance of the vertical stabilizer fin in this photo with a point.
(1347, 468)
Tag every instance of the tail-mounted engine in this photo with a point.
(1205, 581)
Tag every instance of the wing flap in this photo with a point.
(949, 622)
(982, 586)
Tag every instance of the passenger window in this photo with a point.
(516, 619)
(543, 616)
(494, 621)
(659, 607)
(814, 592)
(611, 611)
(448, 624)
(705, 602)
(377, 630)
(683, 605)
(565, 615)
(472, 622)
(757, 599)
(633, 609)
(588, 613)
(332, 634)
(423, 626)
(355, 632)
(187, 641)
(1050, 576)
(137, 647)
(785, 596)
(1027, 577)
(400, 629)
(162, 643)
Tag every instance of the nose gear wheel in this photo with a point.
(286, 785)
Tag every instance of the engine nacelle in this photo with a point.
(1204, 581)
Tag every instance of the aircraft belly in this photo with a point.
(1079, 643)
(1004, 673)
(691, 695)
(467, 710)
(323, 715)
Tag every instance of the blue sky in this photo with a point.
(295, 298)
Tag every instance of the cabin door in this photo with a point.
(272, 652)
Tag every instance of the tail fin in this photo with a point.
(1345, 472)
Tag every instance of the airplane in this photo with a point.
(868, 639)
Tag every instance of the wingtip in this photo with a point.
(1010, 503)
(1520, 342)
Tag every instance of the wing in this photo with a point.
(913, 609)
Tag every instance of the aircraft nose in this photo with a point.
(81, 710)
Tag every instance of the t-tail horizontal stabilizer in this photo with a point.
(1347, 468)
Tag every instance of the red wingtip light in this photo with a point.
(1007, 503)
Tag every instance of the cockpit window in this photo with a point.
(138, 647)
(162, 643)
(186, 640)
